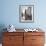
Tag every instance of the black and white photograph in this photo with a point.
(26, 13)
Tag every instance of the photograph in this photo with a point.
(26, 13)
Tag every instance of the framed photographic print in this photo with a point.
(26, 13)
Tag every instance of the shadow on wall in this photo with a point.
(2, 26)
